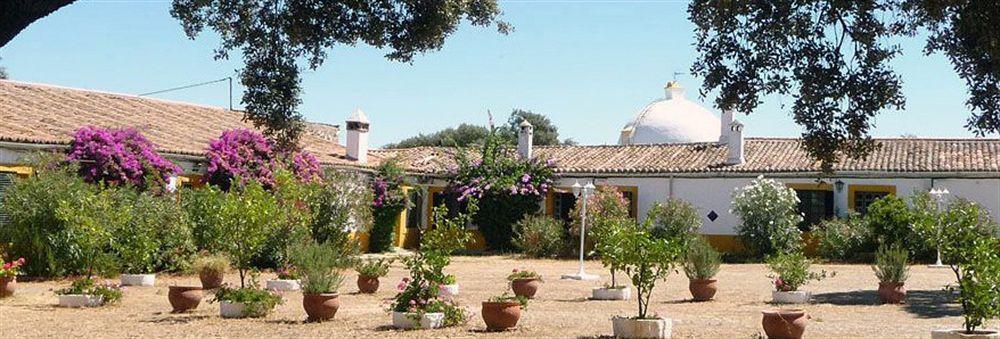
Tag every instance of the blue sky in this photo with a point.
(588, 65)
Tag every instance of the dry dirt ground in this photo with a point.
(844, 306)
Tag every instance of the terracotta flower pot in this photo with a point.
(320, 307)
(785, 323)
(7, 286)
(892, 293)
(500, 316)
(367, 284)
(184, 298)
(525, 287)
(702, 289)
(210, 280)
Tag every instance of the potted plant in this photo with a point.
(791, 271)
(84, 292)
(287, 280)
(503, 311)
(184, 298)
(211, 270)
(8, 277)
(784, 323)
(248, 301)
(605, 230)
(438, 243)
(525, 283)
(891, 269)
(320, 267)
(645, 260)
(369, 271)
(136, 245)
(701, 264)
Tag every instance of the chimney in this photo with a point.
(357, 136)
(673, 90)
(727, 118)
(735, 144)
(524, 139)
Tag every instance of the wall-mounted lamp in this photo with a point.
(839, 185)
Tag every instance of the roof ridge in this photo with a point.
(126, 95)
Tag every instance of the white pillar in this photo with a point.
(357, 136)
(525, 141)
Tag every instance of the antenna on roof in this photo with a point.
(676, 74)
(230, 79)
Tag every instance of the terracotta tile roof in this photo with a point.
(35, 113)
(763, 155)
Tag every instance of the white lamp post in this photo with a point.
(938, 196)
(582, 193)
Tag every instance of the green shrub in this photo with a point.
(891, 264)
(606, 239)
(35, 232)
(979, 283)
(770, 216)
(701, 260)
(202, 208)
(540, 236)
(891, 221)
(791, 271)
(320, 266)
(246, 221)
(93, 219)
(844, 239)
(373, 267)
(605, 207)
(498, 215)
(111, 293)
(645, 260)
(341, 204)
(171, 228)
(257, 302)
(675, 219)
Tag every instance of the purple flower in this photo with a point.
(117, 156)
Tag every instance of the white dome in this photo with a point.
(673, 119)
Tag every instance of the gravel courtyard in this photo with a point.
(844, 306)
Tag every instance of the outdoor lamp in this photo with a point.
(839, 185)
(582, 193)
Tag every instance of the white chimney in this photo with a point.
(524, 139)
(727, 118)
(735, 144)
(673, 90)
(357, 136)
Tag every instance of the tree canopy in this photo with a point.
(833, 58)
(466, 135)
(274, 37)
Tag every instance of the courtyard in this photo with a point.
(843, 306)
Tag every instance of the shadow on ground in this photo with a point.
(922, 303)
(177, 318)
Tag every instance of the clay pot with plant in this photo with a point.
(320, 267)
(184, 298)
(369, 272)
(503, 311)
(211, 270)
(604, 231)
(524, 283)
(84, 292)
(892, 271)
(8, 276)
(784, 323)
(645, 260)
(701, 264)
(791, 271)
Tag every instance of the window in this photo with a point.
(562, 206)
(450, 200)
(6, 180)
(815, 205)
(860, 196)
(415, 213)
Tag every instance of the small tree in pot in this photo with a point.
(892, 271)
(791, 271)
(645, 260)
(611, 253)
(369, 271)
(319, 267)
(701, 264)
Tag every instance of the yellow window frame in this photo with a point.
(853, 189)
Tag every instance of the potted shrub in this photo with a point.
(503, 311)
(701, 264)
(784, 323)
(248, 301)
(211, 270)
(184, 298)
(525, 283)
(84, 292)
(791, 271)
(287, 280)
(320, 267)
(604, 232)
(439, 242)
(8, 277)
(645, 260)
(891, 269)
(369, 271)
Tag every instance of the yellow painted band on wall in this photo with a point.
(19, 169)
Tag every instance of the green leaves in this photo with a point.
(980, 282)
(791, 271)
(645, 260)
(769, 211)
(891, 264)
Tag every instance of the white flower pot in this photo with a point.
(791, 297)
(448, 291)
(80, 300)
(957, 334)
(608, 293)
(405, 320)
(283, 285)
(138, 279)
(231, 310)
(642, 328)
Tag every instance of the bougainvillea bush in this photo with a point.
(118, 156)
(388, 201)
(244, 155)
(506, 187)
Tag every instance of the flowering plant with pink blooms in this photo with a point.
(118, 156)
(11, 269)
(245, 155)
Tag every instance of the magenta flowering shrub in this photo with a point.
(243, 155)
(305, 166)
(388, 201)
(118, 156)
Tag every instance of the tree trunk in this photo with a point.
(18, 14)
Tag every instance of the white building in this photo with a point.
(672, 148)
